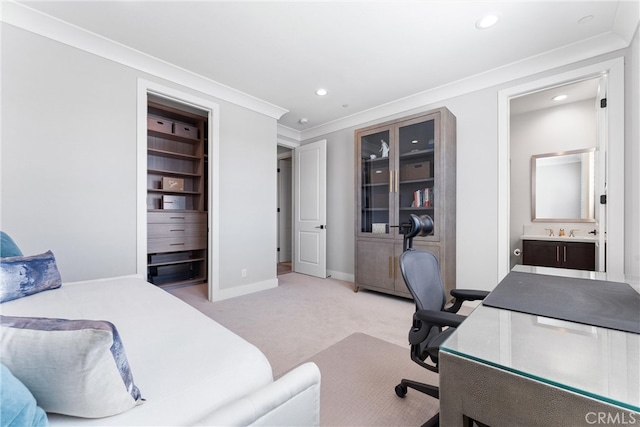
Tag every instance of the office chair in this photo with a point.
(432, 322)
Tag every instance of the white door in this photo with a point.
(310, 209)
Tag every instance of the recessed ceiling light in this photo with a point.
(321, 92)
(486, 22)
(415, 141)
(559, 97)
(303, 121)
(585, 19)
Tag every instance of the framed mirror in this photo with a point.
(563, 186)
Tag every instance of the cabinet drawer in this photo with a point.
(176, 217)
(175, 230)
(172, 244)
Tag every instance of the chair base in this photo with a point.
(431, 390)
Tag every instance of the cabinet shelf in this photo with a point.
(173, 173)
(416, 181)
(172, 136)
(172, 154)
(178, 211)
(184, 261)
(417, 209)
(161, 191)
(417, 153)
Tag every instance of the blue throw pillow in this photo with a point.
(8, 247)
(22, 276)
(17, 405)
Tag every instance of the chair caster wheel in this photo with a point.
(401, 391)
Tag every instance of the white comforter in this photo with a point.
(186, 365)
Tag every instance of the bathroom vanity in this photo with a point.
(564, 252)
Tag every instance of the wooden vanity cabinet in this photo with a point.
(573, 255)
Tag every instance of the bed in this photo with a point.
(189, 369)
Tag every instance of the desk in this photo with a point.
(505, 368)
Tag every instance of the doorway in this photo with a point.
(212, 111)
(613, 130)
(284, 210)
(549, 123)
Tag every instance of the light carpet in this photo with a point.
(359, 375)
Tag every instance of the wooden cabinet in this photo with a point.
(403, 167)
(574, 255)
(176, 196)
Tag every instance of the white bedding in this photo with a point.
(185, 364)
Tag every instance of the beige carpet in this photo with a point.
(359, 375)
(323, 320)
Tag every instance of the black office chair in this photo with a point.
(432, 322)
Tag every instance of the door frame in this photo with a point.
(291, 145)
(614, 69)
(146, 87)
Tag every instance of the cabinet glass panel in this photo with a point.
(375, 179)
(416, 166)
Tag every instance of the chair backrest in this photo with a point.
(421, 273)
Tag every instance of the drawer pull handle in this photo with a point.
(176, 244)
(177, 217)
(177, 229)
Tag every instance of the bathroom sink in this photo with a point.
(589, 238)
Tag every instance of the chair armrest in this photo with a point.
(439, 318)
(469, 294)
(462, 295)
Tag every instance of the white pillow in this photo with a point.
(72, 367)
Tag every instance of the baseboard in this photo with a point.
(338, 275)
(222, 294)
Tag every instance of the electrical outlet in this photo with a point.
(243, 272)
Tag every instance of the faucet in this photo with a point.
(572, 232)
(561, 232)
(550, 231)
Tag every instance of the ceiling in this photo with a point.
(364, 53)
(578, 91)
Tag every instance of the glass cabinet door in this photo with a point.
(417, 160)
(375, 182)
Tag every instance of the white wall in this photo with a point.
(69, 165)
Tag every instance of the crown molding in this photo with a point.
(36, 22)
(560, 57)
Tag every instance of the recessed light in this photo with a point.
(415, 141)
(585, 19)
(321, 92)
(303, 121)
(559, 97)
(486, 22)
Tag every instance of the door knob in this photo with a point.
(321, 227)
